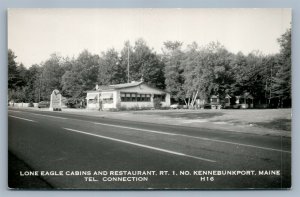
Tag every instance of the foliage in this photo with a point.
(206, 71)
(51, 76)
(13, 74)
(144, 64)
(282, 78)
(110, 71)
(174, 79)
(81, 76)
(188, 74)
(73, 103)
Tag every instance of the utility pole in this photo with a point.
(270, 97)
(128, 64)
(40, 91)
(40, 86)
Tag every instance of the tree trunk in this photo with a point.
(185, 102)
(194, 98)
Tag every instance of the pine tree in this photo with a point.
(281, 82)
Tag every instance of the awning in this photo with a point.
(106, 95)
(92, 96)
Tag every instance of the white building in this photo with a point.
(127, 95)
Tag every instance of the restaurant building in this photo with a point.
(132, 95)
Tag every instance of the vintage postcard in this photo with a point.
(149, 99)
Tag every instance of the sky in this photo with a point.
(35, 34)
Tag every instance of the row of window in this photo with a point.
(130, 97)
(134, 97)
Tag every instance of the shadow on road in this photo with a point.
(15, 181)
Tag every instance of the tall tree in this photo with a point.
(174, 79)
(249, 74)
(206, 71)
(282, 79)
(23, 74)
(82, 76)
(51, 75)
(126, 60)
(13, 74)
(148, 65)
(18, 77)
(111, 71)
(143, 64)
(33, 85)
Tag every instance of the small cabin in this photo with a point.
(227, 101)
(244, 101)
(215, 102)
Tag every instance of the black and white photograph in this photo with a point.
(149, 98)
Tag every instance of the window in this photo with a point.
(135, 97)
(148, 97)
(127, 97)
(122, 97)
(92, 98)
(214, 100)
(138, 98)
(94, 101)
(107, 98)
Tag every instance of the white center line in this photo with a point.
(168, 133)
(147, 130)
(13, 111)
(195, 137)
(141, 145)
(41, 115)
(22, 118)
(235, 143)
(48, 116)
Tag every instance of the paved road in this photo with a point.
(165, 156)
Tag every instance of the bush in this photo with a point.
(73, 103)
(113, 109)
(145, 108)
(121, 108)
(133, 108)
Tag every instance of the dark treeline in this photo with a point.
(188, 74)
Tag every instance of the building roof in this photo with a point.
(120, 86)
(247, 95)
(105, 88)
(127, 85)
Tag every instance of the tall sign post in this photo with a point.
(128, 79)
(55, 101)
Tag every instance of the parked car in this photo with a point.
(175, 106)
(44, 104)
